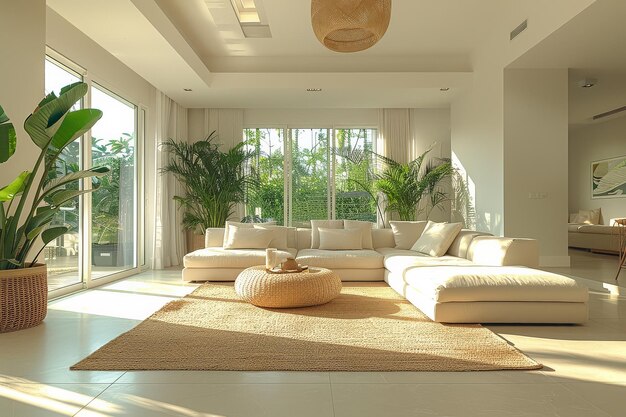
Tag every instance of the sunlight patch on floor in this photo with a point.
(112, 304)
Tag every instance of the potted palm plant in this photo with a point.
(404, 185)
(29, 203)
(214, 181)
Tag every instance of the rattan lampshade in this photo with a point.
(350, 25)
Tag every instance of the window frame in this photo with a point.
(332, 161)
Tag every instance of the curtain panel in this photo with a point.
(169, 236)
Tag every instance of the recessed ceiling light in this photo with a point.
(187, 89)
(587, 82)
(444, 89)
(312, 90)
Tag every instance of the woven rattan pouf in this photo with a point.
(258, 287)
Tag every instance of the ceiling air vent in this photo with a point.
(609, 113)
(522, 27)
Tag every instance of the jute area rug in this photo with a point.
(367, 328)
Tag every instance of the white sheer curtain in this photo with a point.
(394, 136)
(169, 236)
(227, 123)
(400, 138)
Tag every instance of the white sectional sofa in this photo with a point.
(481, 278)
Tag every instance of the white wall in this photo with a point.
(108, 71)
(22, 30)
(592, 143)
(477, 140)
(535, 159)
(477, 117)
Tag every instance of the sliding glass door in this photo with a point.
(104, 229)
(113, 204)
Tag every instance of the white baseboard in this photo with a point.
(554, 261)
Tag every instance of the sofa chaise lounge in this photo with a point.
(480, 279)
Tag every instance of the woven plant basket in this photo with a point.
(23, 297)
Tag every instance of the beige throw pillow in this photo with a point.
(588, 216)
(280, 235)
(437, 238)
(366, 231)
(242, 225)
(340, 239)
(405, 234)
(327, 224)
(248, 238)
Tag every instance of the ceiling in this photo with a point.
(199, 45)
(592, 45)
(425, 31)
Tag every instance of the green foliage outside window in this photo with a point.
(311, 153)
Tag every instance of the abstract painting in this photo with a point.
(608, 178)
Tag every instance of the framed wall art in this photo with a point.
(608, 178)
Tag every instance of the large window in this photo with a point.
(104, 237)
(309, 196)
(268, 200)
(315, 173)
(353, 166)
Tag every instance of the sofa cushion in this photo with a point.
(362, 259)
(397, 260)
(573, 227)
(327, 224)
(462, 242)
(597, 228)
(366, 231)
(340, 239)
(248, 238)
(218, 257)
(279, 240)
(239, 224)
(405, 234)
(437, 238)
(382, 238)
(488, 283)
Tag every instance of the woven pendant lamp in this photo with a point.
(350, 25)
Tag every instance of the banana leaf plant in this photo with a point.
(29, 203)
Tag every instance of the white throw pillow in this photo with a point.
(340, 239)
(280, 235)
(237, 224)
(405, 234)
(366, 231)
(242, 225)
(248, 238)
(327, 224)
(437, 238)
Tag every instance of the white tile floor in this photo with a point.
(585, 373)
